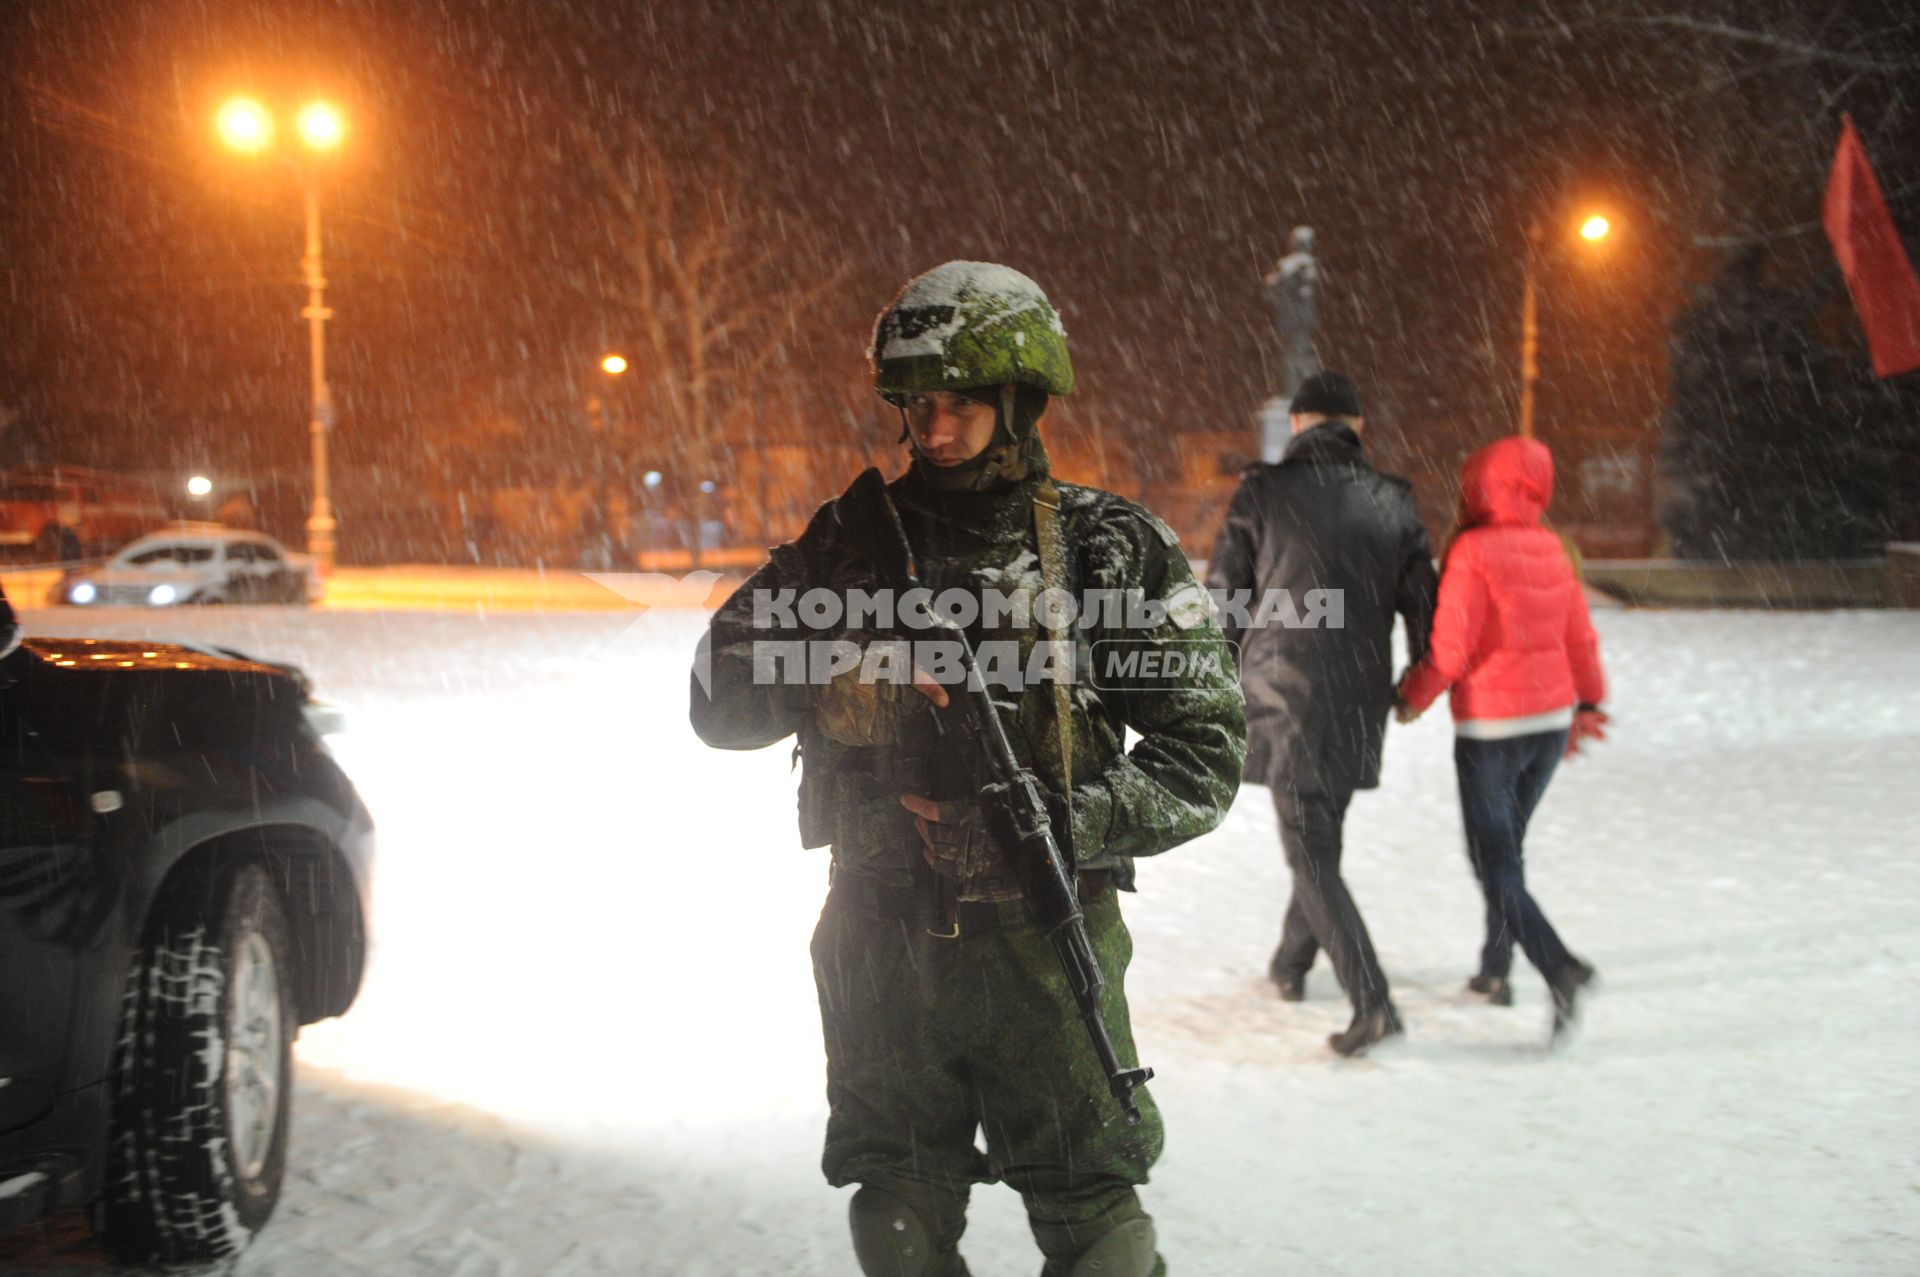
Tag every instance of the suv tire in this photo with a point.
(199, 1140)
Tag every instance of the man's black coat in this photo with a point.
(1319, 692)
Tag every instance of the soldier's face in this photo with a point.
(947, 428)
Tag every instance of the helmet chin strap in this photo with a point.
(1003, 461)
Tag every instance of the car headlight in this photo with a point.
(83, 593)
(161, 595)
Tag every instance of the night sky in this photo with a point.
(1143, 161)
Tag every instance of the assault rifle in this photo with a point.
(1012, 801)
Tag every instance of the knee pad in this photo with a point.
(890, 1237)
(1127, 1251)
(1119, 1243)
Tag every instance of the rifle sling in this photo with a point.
(1053, 574)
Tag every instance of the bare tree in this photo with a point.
(695, 292)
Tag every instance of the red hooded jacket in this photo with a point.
(1511, 634)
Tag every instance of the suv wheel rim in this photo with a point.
(254, 1057)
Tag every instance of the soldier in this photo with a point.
(944, 1009)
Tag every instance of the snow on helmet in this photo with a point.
(968, 324)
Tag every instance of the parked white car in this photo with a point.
(196, 563)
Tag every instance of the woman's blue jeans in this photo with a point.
(1501, 782)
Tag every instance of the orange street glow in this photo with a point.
(613, 364)
(244, 125)
(1595, 228)
(321, 126)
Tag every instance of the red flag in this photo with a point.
(1868, 249)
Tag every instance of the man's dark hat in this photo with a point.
(1332, 393)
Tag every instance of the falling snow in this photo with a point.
(589, 1042)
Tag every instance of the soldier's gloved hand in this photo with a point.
(993, 799)
(856, 710)
(954, 837)
(1589, 723)
(924, 684)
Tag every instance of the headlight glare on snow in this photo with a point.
(82, 593)
(161, 595)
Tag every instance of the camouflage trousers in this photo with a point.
(931, 1040)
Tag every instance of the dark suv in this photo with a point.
(183, 883)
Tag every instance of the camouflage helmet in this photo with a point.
(968, 324)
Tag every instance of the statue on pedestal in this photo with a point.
(1290, 290)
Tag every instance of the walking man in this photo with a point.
(1328, 550)
(945, 1011)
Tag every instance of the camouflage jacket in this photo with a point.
(1174, 784)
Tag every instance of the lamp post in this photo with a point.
(611, 542)
(247, 127)
(613, 365)
(1593, 230)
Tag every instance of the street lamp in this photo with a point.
(1594, 229)
(321, 127)
(611, 540)
(244, 125)
(613, 365)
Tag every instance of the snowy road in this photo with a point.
(589, 1044)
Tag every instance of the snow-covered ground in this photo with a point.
(589, 1042)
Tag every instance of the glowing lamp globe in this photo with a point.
(321, 126)
(244, 126)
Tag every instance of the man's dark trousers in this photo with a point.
(1501, 782)
(1322, 914)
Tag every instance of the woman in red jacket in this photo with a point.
(1512, 638)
